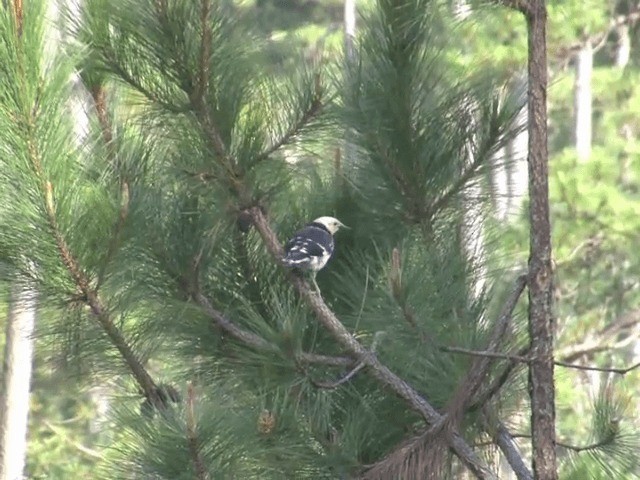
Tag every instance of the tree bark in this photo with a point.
(541, 315)
(17, 366)
(583, 101)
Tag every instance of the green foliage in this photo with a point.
(208, 118)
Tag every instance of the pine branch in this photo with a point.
(309, 114)
(379, 371)
(205, 48)
(468, 388)
(255, 341)
(18, 14)
(486, 354)
(91, 299)
(465, 176)
(481, 365)
(99, 95)
(192, 436)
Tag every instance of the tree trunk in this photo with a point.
(349, 27)
(16, 380)
(623, 52)
(584, 72)
(540, 281)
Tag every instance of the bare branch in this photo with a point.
(342, 380)
(581, 448)
(507, 446)
(598, 39)
(486, 354)
(620, 371)
(606, 338)
(523, 359)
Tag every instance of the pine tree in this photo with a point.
(157, 242)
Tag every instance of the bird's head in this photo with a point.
(330, 223)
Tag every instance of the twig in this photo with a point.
(486, 354)
(523, 359)
(598, 39)
(620, 371)
(627, 321)
(379, 371)
(77, 445)
(340, 381)
(192, 436)
(576, 448)
(205, 48)
(498, 382)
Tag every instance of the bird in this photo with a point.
(311, 247)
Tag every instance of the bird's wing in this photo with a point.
(310, 241)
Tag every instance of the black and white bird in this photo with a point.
(311, 247)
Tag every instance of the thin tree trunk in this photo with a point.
(541, 315)
(16, 382)
(349, 28)
(623, 52)
(583, 101)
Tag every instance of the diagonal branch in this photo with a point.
(378, 370)
(94, 302)
(481, 364)
(507, 446)
(314, 108)
(467, 389)
(255, 341)
(336, 383)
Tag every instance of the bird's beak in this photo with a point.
(342, 225)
